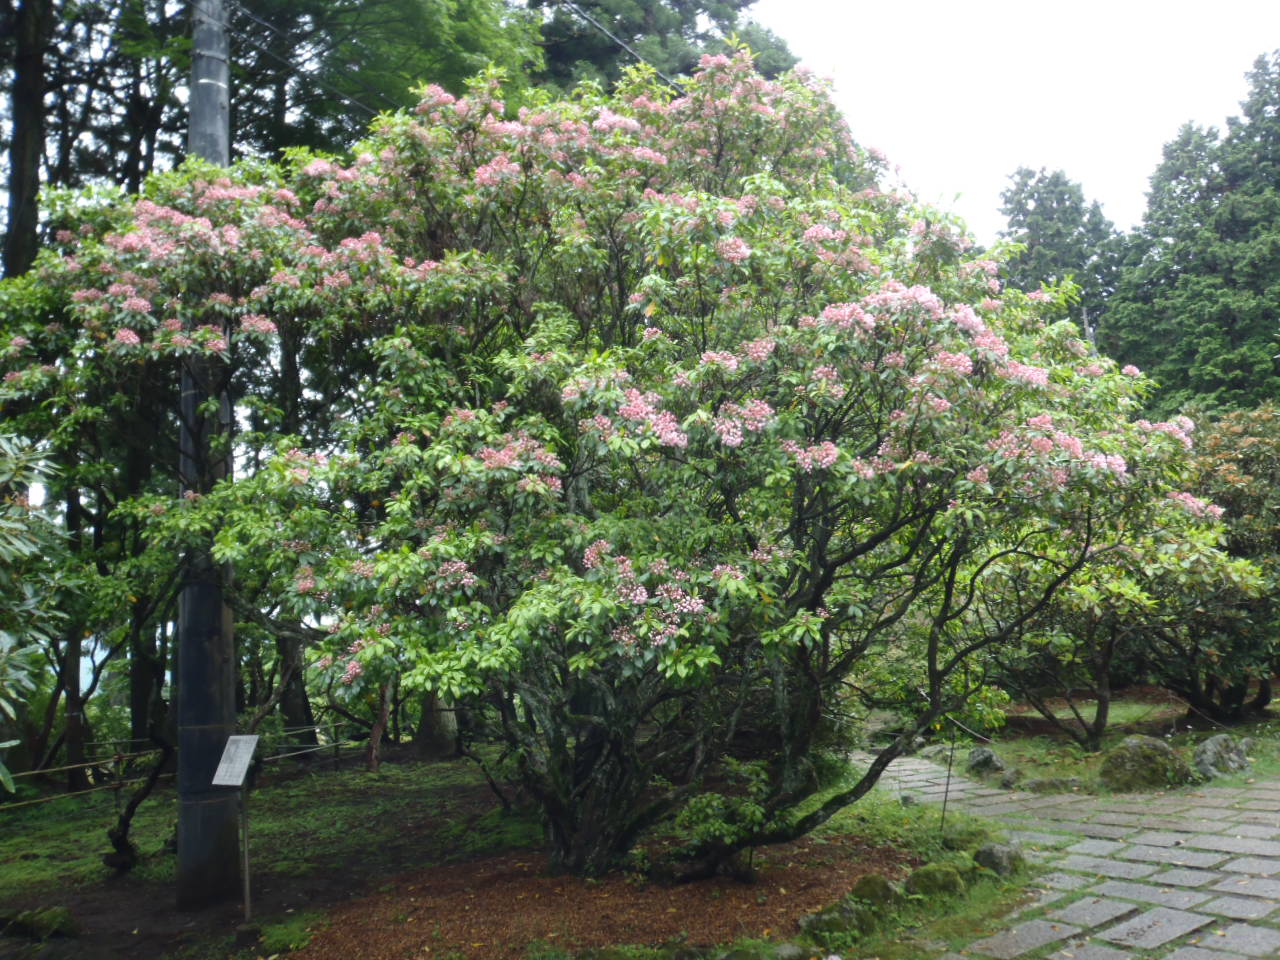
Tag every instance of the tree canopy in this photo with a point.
(648, 427)
(1197, 303)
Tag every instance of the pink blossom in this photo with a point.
(733, 249)
(1024, 373)
(18, 342)
(137, 305)
(960, 363)
(1195, 506)
(594, 554)
(128, 338)
(256, 323)
(1129, 370)
(353, 671)
(720, 359)
(759, 350)
(978, 475)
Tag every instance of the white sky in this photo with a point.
(960, 94)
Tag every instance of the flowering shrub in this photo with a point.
(647, 423)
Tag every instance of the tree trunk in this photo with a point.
(436, 736)
(372, 754)
(295, 706)
(33, 23)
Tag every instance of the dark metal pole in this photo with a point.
(208, 854)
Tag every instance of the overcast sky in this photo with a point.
(960, 94)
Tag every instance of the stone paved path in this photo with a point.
(1191, 874)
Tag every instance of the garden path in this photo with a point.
(1189, 874)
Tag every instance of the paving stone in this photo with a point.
(1198, 953)
(1037, 838)
(1238, 908)
(1160, 838)
(1249, 845)
(1182, 877)
(1101, 848)
(1260, 830)
(1093, 911)
(1270, 805)
(1249, 886)
(1120, 820)
(1178, 856)
(1164, 896)
(1023, 938)
(1092, 951)
(1247, 939)
(1263, 866)
(1065, 881)
(1104, 830)
(1215, 813)
(1261, 819)
(1155, 928)
(1124, 869)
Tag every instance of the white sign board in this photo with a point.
(235, 761)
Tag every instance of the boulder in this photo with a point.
(1219, 755)
(875, 890)
(936, 752)
(1143, 763)
(934, 879)
(847, 916)
(1002, 859)
(983, 760)
(791, 951)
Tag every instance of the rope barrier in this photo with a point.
(78, 766)
(5, 807)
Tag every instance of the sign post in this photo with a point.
(232, 769)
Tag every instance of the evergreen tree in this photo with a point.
(670, 35)
(1065, 237)
(1198, 299)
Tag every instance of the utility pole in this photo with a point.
(208, 816)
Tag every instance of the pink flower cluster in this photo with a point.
(733, 249)
(820, 456)
(496, 170)
(642, 408)
(1024, 373)
(754, 416)
(455, 573)
(256, 323)
(1195, 506)
(846, 315)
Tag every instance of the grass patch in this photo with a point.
(293, 932)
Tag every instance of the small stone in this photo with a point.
(1219, 755)
(1003, 859)
(983, 760)
(1011, 778)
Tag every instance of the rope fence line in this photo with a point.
(114, 758)
(117, 785)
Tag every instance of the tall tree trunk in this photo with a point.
(77, 779)
(372, 755)
(295, 706)
(33, 23)
(437, 734)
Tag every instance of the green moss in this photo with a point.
(292, 932)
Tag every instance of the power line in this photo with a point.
(285, 37)
(293, 70)
(620, 42)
